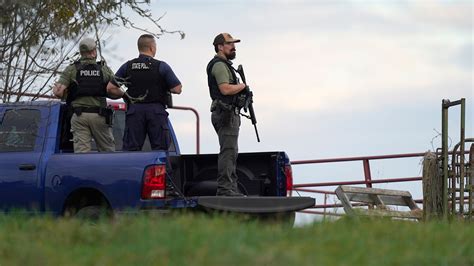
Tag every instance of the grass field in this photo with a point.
(190, 239)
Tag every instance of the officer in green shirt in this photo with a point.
(83, 85)
(224, 88)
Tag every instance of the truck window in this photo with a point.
(18, 130)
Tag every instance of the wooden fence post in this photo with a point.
(432, 188)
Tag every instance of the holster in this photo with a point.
(77, 111)
(108, 113)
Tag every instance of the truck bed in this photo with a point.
(258, 174)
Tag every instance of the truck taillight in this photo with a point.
(289, 180)
(154, 182)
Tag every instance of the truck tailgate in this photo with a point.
(255, 204)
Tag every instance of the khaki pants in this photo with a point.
(88, 126)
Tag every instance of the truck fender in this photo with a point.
(85, 197)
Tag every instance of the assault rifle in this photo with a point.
(248, 102)
(123, 84)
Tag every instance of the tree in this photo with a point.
(39, 37)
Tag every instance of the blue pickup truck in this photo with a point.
(39, 172)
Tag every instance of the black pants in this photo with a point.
(146, 119)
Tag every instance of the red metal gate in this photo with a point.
(365, 180)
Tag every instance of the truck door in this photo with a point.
(21, 142)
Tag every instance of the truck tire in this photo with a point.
(87, 203)
(93, 213)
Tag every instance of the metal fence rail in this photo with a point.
(367, 179)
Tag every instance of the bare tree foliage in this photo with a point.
(40, 37)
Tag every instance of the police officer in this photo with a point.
(224, 88)
(84, 83)
(148, 80)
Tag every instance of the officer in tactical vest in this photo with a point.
(83, 84)
(224, 87)
(149, 81)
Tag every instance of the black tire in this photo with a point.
(93, 213)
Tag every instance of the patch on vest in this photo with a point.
(89, 73)
(139, 66)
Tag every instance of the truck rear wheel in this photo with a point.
(87, 204)
(93, 213)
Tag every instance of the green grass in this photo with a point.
(188, 239)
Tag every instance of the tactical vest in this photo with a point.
(212, 83)
(145, 79)
(89, 82)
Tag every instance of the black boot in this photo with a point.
(230, 193)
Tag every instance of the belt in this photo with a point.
(224, 107)
(87, 109)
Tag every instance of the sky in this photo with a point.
(330, 78)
